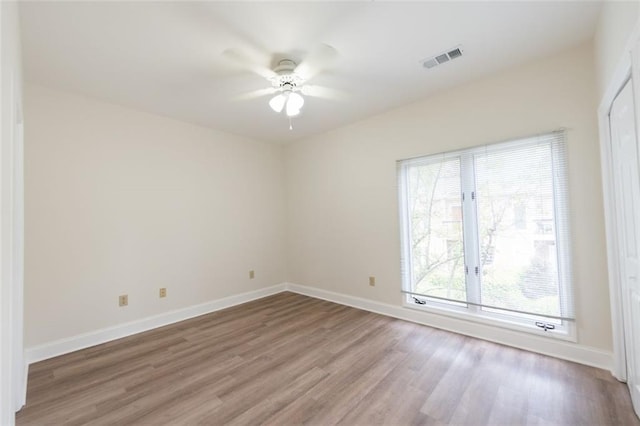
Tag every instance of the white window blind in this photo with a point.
(485, 231)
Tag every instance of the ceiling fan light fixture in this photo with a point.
(277, 102)
(291, 102)
(294, 104)
(292, 112)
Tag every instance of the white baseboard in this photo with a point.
(556, 348)
(85, 340)
(547, 346)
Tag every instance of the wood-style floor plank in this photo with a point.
(291, 359)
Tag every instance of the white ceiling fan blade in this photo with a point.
(256, 94)
(322, 92)
(316, 61)
(242, 59)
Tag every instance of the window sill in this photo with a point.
(567, 333)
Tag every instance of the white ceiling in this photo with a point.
(166, 57)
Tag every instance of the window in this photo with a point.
(485, 233)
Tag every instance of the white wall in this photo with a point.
(615, 24)
(12, 370)
(342, 187)
(123, 202)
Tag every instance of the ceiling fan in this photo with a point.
(288, 84)
(289, 80)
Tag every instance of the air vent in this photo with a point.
(442, 58)
(436, 60)
(455, 53)
(430, 63)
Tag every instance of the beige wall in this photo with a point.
(119, 201)
(342, 189)
(615, 24)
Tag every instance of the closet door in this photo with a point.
(624, 149)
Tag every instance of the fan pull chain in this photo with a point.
(290, 125)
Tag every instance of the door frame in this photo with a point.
(622, 74)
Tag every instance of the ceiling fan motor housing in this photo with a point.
(286, 78)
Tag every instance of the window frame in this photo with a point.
(565, 329)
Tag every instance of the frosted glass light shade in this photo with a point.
(277, 102)
(292, 112)
(293, 102)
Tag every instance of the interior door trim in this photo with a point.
(621, 77)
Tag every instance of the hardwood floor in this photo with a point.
(290, 359)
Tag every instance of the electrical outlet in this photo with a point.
(163, 292)
(252, 274)
(123, 300)
(372, 281)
